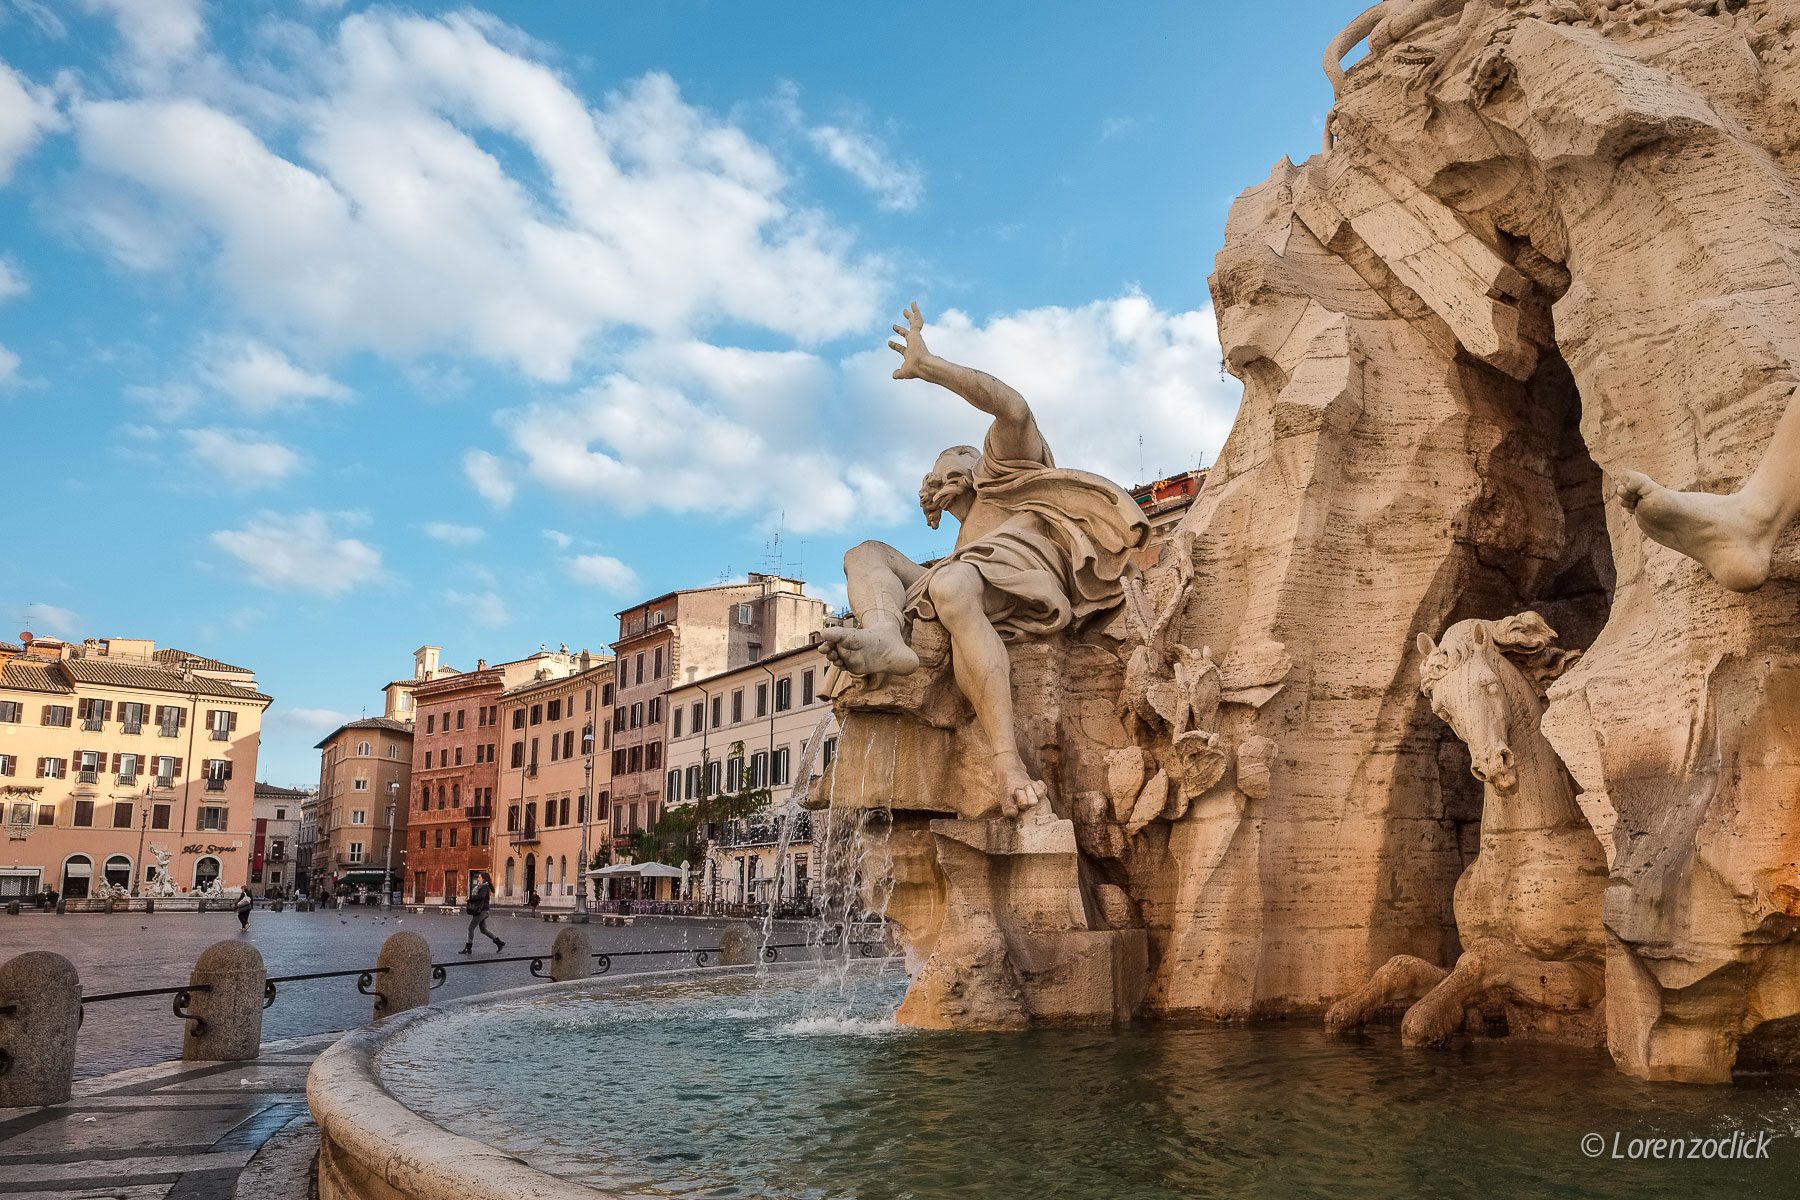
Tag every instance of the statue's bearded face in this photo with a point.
(952, 477)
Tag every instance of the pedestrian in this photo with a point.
(244, 904)
(532, 900)
(480, 896)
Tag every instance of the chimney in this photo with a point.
(481, 664)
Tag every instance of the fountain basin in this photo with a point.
(745, 1083)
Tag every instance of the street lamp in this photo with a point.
(137, 867)
(580, 916)
(387, 870)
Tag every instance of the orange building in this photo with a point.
(114, 754)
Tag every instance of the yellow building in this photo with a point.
(548, 770)
(111, 751)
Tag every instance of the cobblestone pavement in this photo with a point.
(127, 951)
(178, 1131)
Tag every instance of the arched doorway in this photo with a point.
(77, 876)
(206, 873)
(118, 871)
(530, 873)
(509, 878)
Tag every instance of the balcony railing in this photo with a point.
(127, 780)
(132, 727)
(220, 735)
(165, 781)
(480, 813)
(92, 724)
(523, 836)
(215, 785)
(88, 776)
(169, 729)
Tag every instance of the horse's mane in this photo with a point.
(1526, 640)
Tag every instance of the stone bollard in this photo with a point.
(405, 981)
(149, 906)
(40, 1010)
(737, 946)
(13, 908)
(572, 956)
(230, 1010)
(62, 906)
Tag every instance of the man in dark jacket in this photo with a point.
(480, 896)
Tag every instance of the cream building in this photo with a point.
(111, 750)
(757, 726)
(548, 769)
(365, 777)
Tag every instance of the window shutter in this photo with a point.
(40, 773)
(224, 818)
(228, 769)
(231, 723)
(106, 710)
(181, 718)
(116, 763)
(177, 770)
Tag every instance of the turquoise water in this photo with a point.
(731, 1087)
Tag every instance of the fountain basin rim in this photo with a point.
(373, 1147)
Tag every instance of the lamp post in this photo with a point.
(137, 866)
(580, 916)
(387, 870)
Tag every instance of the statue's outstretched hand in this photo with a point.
(913, 351)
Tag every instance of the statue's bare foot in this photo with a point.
(870, 653)
(1019, 792)
(1718, 532)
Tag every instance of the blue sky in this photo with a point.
(329, 330)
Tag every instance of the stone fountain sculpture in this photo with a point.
(1546, 258)
(1528, 907)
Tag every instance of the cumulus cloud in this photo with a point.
(26, 113)
(241, 458)
(453, 535)
(154, 31)
(897, 186)
(602, 571)
(489, 476)
(9, 365)
(689, 427)
(450, 191)
(311, 723)
(12, 283)
(484, 609)
(302, 551)
(261, 379)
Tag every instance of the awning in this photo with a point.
(78, 870)
(362, 878)
(643, 870)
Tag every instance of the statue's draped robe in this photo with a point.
(1055, 562)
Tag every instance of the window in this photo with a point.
(84, 814)
(637, 715)
(8, 765)
(453, 837)
(359, 816)
(568, 743)
(734, 772)
(459, 756)
(712, 779)
(737, 706)
(806, 687)
(456, 795)
(655, 710)
(58, 715)
(699, 716)
(220, 724)
(657, 664)
(9, 712)
(779, 764)
(759, 769)
(718, 710)
(762, 699)
(675, 729)
(359, 785)
(555, 748)
(159, 816)
(131, 717)
(89, 766)
(460, 714)
(428, 760)
(166, 770)
(554, 712)
(393, 751)
(518, 755)
(830, 750)
(640, 667)
(93, 713)
(354, 852)
(212, 817)
(51, 768)
(653, 756)
(672, 791)
(745, 614)
(692, 783)
(362, 749)
(169, 720)
(784, 693)
(430, 723)
(755, 652)
(634, 759)
(46, 814)
(126, 766)
(537, 714)
(437, 838)
(121, 815)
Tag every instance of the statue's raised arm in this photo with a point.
(1014, 434)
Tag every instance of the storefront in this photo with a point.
(19, 882)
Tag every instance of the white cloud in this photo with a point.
(26, 113)
(12, 284)
(490, 477)
(154, 31)
(898, 186)
(485, 609)
(602, 571)
(558, 538)
(451, 192)
(9, 365)
(301, 551)
(241, 458)
(453, 535)
(49, 619)
(312, 723)
(691, 427)
(261, 379)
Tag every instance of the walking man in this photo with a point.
(244, 904)
(480, 896)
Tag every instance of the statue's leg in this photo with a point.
(877, 577)
(1733, 536)
(1438, 1017)
(984, 673)
(1400, 983)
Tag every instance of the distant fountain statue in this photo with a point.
(1528, 907)
(162, 885)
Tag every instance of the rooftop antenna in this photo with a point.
(1141, 474)
(773, 561)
